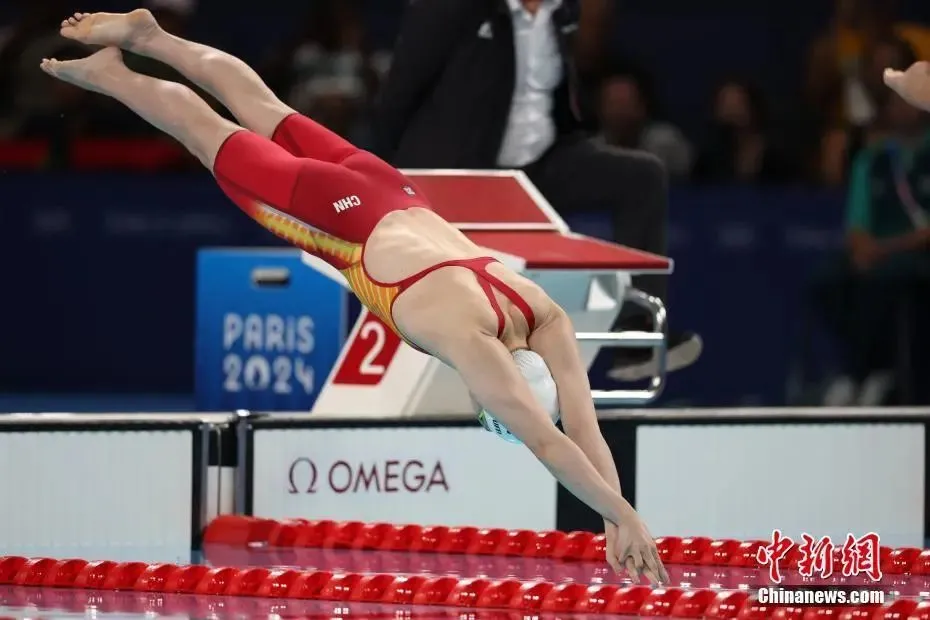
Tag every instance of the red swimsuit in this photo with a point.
(325, 196)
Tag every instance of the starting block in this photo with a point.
(378, 375)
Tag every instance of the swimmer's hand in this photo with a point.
(630, 547)
(912, 84)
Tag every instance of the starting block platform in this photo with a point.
(378, 375)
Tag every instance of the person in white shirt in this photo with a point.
(480, 84)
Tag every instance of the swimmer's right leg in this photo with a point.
(232, 82)
(173, 108)
(260, 176)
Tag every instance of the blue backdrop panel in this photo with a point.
(269, 329)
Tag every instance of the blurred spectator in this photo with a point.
(628, 119)
(738, 147)
(325, 72)
(840, 144)
(886, 263)
(834, 84)
(53, 112)
(495, 84)
(25, 92)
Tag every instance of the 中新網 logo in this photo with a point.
(822, 557)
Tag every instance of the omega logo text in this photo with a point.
(389, 476)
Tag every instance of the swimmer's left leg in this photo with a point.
(173, 108)
(230, 80)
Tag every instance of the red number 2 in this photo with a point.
(369, 353)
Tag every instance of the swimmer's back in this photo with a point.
(414, 239)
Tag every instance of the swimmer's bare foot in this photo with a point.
(125, 30)
(88, 73)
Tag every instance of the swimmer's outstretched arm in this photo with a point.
(631, 546)
(487, 368)
(554, 340)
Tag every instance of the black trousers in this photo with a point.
(576, 175)
(861, 308)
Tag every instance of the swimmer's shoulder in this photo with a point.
(542, 305)
(547, 312)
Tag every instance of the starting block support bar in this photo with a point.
(632, 340)
(610, 398)
(655, 339)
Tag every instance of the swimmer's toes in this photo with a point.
(86, 71)
(110, 29)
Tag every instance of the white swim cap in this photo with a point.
(536, 373)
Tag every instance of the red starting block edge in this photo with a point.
(244, 531)
(474, 593)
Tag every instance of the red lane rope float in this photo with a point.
(472, 593)
(242, 531)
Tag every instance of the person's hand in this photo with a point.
(630, 547)
(866, 253)
(610, 532)
(913, 84)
